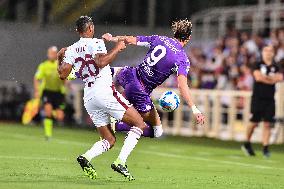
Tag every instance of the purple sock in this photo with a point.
(121, 126)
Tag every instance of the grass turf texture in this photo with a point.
(28, 161)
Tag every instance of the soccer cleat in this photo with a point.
(87, 167)
(122, 169)
(247, 149)
(266, 152)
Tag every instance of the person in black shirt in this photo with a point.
(266, 74)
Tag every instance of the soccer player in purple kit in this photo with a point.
(166, 56)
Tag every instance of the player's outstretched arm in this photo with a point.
(130, 40)
(103, 60)
(185, 93)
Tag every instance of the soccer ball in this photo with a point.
(169, 101)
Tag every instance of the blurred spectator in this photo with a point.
(245, 81)
(280, 52)
(226, 65)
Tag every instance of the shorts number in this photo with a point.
(156, 56)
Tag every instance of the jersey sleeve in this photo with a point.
(100, 47)
(69, 57)
(39, 72)
(183, 67)
(145, 40)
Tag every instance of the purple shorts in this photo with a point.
(134, 91)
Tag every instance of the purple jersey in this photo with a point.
(165, 57)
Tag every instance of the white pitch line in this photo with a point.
(33, 158)
(61, 141)
(209, 160)
(234, 157)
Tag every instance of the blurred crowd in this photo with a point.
(12, 101)
(227, 63)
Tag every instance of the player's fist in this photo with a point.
(200, 118)
(120, 45)
(107, 37)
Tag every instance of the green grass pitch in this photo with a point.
(27, 161)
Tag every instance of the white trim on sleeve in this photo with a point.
(145, 44)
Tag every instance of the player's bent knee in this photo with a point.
(141, 125)
(132, 117)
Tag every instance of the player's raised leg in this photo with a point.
(153, 124)
(120, 126)
(152, 117)
(141, 100)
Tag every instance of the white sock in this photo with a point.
(129, 143)
(97, 149)
(158, 131)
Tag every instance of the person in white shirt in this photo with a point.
(90, 60)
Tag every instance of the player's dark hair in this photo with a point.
(182, 29)
(82, 23)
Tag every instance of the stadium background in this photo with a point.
(226, 39)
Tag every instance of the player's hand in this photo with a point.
(200, 118)
(107, 37)
(61, 54)
(120, 45)
(129, 40)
